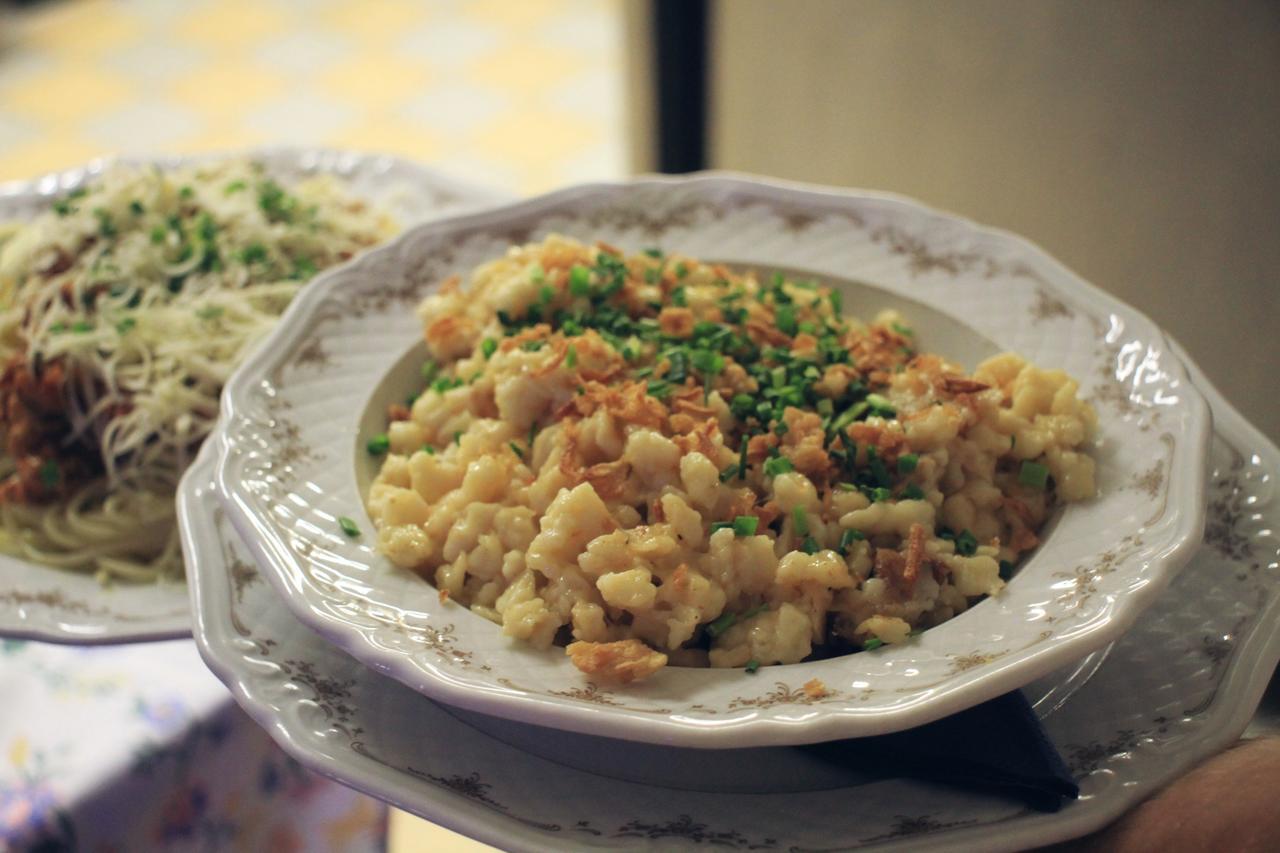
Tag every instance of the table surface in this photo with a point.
(525, 96)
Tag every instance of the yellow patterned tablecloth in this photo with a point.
(521, 94)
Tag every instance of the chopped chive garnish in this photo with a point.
(106, 226)
(378, 445)
(677, 365)
(682, 270)
(1006, 570)
(846, 487)
(725, 621)
(579, 281)
(457, 437)
(966, 544)
(135, 207)
(659, 388)
(537, 274)
(848, 538)
(752, 666)
(729, 473)
(678, 298)
(186, 192)
(880, 494)
(837, 302)
(902, 330)
(785, 319)
(777, 465)
(800, 521)
(516, 449)
(809, 545)
(848, 416)
(745, 525)
(912, 493)
(878, 469)
(125, 325)
(304, 268)
(428, 449)
(49, 473)
(253, 253)
(210, 312)
(721, 525)
(907, 463)
(158, 233)
(1033, 474)
(571, 357)
(653, 252)
(545, 295)
(721, 624)
(707, 361)
(82, 326)
(278, 205)
(349, 526)
(429, 370)
(233, 187)
(872, 644)
(880, 406)
(488, 347)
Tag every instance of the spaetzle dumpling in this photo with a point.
(661, 460)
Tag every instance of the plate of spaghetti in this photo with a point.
(129, 292)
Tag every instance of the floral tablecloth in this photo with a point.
(140, 748)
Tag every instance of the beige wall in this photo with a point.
(1137, 141)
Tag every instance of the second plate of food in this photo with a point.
(131, 288)
(872, 466)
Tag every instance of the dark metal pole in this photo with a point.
(680, 71)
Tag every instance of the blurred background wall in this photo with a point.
(1137, 141)
(525, 95)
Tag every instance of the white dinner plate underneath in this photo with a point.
(1180, 685)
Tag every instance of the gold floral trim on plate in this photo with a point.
(1152, 708)
(285, 500)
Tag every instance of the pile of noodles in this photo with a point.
(150, 287)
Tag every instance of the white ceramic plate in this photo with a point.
(292, 415)
(42, 603)
(1179, 686)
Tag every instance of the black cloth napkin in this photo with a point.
(998, 746)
